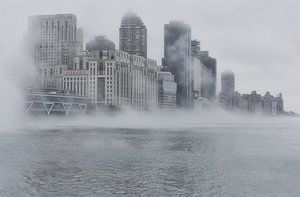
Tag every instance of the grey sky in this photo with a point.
(258, 40)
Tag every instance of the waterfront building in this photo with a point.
(115, 79)
(209, 76)
(232, 101)
(133, 35)
(53, 40)
(227, 82)
(254, 102)
(197, 67)
(280, 103)
(177, 60)
(271, 104)
(167, 89)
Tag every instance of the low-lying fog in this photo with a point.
(163, 119)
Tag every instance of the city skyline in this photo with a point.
(261, 67)
(149, 98)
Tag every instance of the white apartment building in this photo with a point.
(114, 78)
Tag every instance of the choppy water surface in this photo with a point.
(231, 161)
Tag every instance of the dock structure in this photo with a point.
(54, 102)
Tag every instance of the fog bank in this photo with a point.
(166, 119)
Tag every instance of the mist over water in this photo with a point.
(11, 101)
(159, 153)
(16, 73)
(166, 119)
(156, 153)
(89, 158)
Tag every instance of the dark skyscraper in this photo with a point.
(133, 35)
(209, 76)
(177, 59)
(227, 82)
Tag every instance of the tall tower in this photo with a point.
(208, 76)
(177, 59)
(133, 35)
(53, 41)
(227, 82)
(195, 44)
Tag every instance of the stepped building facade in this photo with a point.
(116, 79)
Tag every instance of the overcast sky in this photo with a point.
(258, 40)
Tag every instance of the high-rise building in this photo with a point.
(197, 67)
(195, 48)
(133, 35)
(227, 82)
(177, 59)
(53, 41)
(208, 76)
(280, 106)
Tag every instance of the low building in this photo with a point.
(267, 104)
(232, 100)
(254, 101)
(272, 105)
(167, 89)
(54, 102)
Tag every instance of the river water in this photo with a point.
(195, 161)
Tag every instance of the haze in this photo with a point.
(258, 40)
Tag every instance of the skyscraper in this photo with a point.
(177, 59)
(208, 76)
(133, 35)
(227, 82)
(195, 47)
(197, 68)
(53, 41)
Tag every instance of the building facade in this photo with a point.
(208, 76)
(177, 59)
(227, 82)
(53, 40)
(167, 89)
(133, 35)
(115, 79)
(197, 68)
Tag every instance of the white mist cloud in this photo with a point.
(167, 120)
